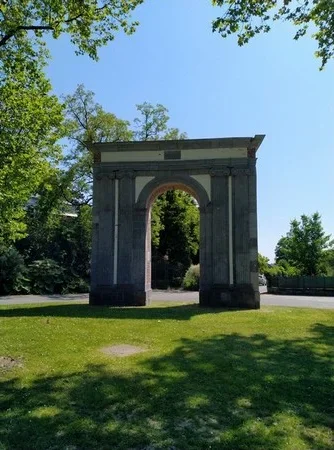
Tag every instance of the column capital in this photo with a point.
(126, 174)
(105, 176)
(220, 172)
(235, 172)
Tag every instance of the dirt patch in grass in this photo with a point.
(122, 350)
(8, 363)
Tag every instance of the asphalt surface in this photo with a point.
(178, 296)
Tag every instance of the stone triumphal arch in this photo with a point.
(219, 173)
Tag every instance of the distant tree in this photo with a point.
(263, 263)
(247, 18)
(328, 262)
(87, 123)
(304, 245)
(152, 124)
(281, 269)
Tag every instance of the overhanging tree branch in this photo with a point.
(24, 28)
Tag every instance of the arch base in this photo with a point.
(242, 296)
(121, 295)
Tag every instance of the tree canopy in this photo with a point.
(304, 245)
(89, 24)
(30, 121)
(247, 18)
(152, 124)
(86, 122)
(30, 116)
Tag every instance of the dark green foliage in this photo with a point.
(175, 238)
(179, 229)
(328, 262)
(58, 233)
(282, 268)
(191, 278)
(62, 236)
(77, 285)
(47, 277)
(13, 272)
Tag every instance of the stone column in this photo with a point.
(205, 254)
(95, 232)
(220, 226)
(241, 226)
(214, 257)
(125, 228)
(139, 255)
(103, 237)
(245, 293)
(253, 236)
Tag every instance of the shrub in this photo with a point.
(47, 277)
(13, 272)
(77, 285)
(191, 279)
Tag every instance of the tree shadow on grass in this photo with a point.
(228, 392)
(179, 312)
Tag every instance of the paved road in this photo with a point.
(266, 299)
(26, 299)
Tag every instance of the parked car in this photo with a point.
(262, 280)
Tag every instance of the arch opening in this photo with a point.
(172, 236)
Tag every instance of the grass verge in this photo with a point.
(208, 379)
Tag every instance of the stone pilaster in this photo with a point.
(240, 226)
(125, 227)
(253, 235)
(103, 237)
(205, 252)
(220, 226)
(106, 193)
(96, 230)
(139, 248)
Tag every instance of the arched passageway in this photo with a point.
(152, 191)
(174, 217)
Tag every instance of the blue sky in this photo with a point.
(213, 88)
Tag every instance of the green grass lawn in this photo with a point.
(208, 379)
